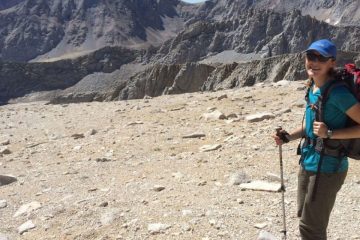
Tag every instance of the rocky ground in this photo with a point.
(124, 170)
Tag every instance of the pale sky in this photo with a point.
(193, 1)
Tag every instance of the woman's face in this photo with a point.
(318, 66)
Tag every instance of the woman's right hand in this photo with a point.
(278, 140)
(281, 137)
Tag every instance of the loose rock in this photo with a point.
(238, 178)
(260, 225)
(262, 186)
(5, 142)
(3, 237)
(5, 150)
(195, 135)
(5, 180)
(222, 97)
(156, 228)
(258, 117)
(109, 216)
(26, 227)
(158, 188)
(264, 235)
(77, 135)
(208, 148)
(27, 208)
(3, 203)
(215, 115)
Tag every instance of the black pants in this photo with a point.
(314, 215)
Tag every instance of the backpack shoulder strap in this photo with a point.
(326, 93)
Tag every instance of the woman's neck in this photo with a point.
(321, 81)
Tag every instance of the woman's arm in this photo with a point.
(297, 133)
(320, 129)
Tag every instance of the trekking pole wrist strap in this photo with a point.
(284, 136)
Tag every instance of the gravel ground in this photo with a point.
(122, 170)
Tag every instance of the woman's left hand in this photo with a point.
(320, 129)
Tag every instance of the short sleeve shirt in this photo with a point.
(339, 101)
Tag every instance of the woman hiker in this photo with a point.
(314, 206)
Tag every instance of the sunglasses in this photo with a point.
(311, 56)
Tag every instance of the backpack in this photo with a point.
(350, 78)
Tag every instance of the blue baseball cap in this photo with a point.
(324, 46)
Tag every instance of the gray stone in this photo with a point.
(155, 228)
(109, 216)
(27, 208)
(215, 115)
(222, 97)
(282, 83)
(186, 212)
(134, 123)
(260, 225)
(103, 160)
(208, 148)
(6, 179)
(3, 237)
(158, 188)
(186, 227)
(77, 135)
(195, 135)
(5, 142)
(282, 111)
(261, 186)
(275, 177)
(232, 115)
(238, 178)
(264, 235)
(3, 203)
(26, 227)
(91, 132)
(301, 103)
(258, 117)
(5, 150)
(231, 138)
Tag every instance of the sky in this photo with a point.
(193, 1)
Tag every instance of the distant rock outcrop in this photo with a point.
(334, 12)
(4, 4)
(265, 33)
(18, 79)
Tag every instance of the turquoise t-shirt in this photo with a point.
(339, 101)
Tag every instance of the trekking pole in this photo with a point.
(278, 132)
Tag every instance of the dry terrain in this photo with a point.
(110, 170)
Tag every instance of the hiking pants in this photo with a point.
(314, 215)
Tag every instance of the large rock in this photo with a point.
(26, 227)
(5, 179)
(156, 228)
(262, 186)
(258, 117)
(264, 235)
(214, 115)
(26, 209)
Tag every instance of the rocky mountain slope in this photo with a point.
(5, 4)
(334, 12)
(214, 45)
(46, 29)
(264, 33)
